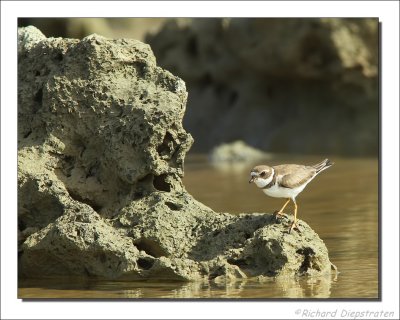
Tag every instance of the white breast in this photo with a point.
(280, 192)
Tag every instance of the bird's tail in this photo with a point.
(322, 165)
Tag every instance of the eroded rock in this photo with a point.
(101, 151)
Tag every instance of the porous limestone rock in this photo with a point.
(101, 151)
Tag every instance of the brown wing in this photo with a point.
(294, 175)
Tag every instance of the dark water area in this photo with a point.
(341, 205)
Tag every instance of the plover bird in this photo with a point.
(286, 181)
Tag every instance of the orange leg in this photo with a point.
(280, 212)
(294, 223)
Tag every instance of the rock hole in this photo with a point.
(74, 195)
(38, 96)
(172, 205)
(141, 68)
(59, 56)
(160, 183)
(237, 262)
(308, 254)
(145, 263)
(150, 247)
(167, 146)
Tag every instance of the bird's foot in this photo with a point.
(279, 214)
(294, 226)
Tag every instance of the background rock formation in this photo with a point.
(282, 85)
(101, 150)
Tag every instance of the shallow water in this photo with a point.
(341, 205)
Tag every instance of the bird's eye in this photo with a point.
(263, 174)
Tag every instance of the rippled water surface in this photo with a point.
(341, 205)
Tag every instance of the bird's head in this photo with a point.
(261, 175)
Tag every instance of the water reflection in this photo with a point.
(281, 287)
